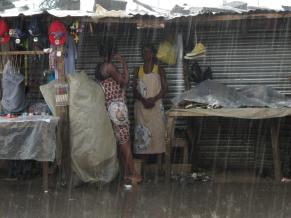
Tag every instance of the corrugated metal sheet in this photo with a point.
(244, 55)
(129, 41)
(249, 56)
(239, 55)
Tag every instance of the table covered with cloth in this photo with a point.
(28, 137)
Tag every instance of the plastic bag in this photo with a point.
(167, 52)
(197, 75)
(13, 99)
(93, 144)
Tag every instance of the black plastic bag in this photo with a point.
(197, 75)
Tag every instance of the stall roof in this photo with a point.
(138, 8)
(14, 8)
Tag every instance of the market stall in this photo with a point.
(30, 138)
(239, 113)
(210, 98)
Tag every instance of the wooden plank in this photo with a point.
(6, 53)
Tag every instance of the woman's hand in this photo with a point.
(148, 103)
(118, 57)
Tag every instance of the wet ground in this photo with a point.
(231, 197)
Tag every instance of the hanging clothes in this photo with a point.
(13, 99)
(71, 55)
(150, 125)
(3, 61)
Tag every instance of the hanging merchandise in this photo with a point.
(167, 51)
(197, 75)
(70, 55)
(34, 29)
(18, 34)
(198, 51)
(13, 99)
(57, 33)
(62, 94)
(4, 32)
(4, 45)
(75, 29)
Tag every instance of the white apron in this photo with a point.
(149, 123)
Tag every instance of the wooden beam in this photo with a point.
(6, 53)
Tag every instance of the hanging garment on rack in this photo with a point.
(70, 55)
(3, 59)
(13, 99)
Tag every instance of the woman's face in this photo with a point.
(147, 54)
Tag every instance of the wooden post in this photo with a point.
(186, 75)
(63, 113)
(169, 140)
(276, 151)
(45, 176)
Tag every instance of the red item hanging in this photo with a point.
(4, 32)
(57, 33)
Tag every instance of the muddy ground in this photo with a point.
(232, 196)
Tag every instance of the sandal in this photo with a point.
(285, 180)
(135, 179)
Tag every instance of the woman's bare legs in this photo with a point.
(128, 163)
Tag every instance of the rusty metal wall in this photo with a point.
(243, 53)
(129, 41)
(240, 53)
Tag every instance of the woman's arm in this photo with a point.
(136, 93)
(121, 77)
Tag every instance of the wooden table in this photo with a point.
(29, 138)
(241, 113)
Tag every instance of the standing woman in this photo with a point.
(149, 87)
(114, 81)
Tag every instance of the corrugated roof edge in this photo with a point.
(53, 12)
(209, 16)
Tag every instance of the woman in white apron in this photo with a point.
(149, 88)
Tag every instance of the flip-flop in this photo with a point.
(134, 179)
(285, 180)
